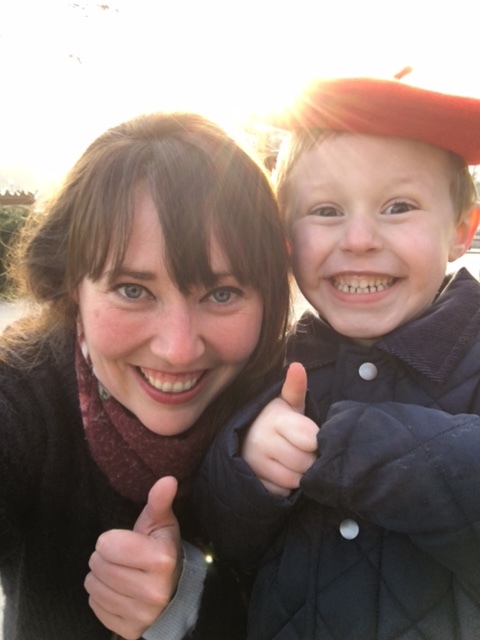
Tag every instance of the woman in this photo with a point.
(161, 272)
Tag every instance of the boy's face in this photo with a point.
(372, 227)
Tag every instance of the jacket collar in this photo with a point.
(432, 344)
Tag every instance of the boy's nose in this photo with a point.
(361, 234)
(177, 338)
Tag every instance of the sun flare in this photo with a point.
(88, 66)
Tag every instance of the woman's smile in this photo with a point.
(164, 354)
(171, 383)
(180, 390)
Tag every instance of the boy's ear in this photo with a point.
(466, 229)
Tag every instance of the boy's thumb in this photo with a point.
(295, 387)
(157, 517)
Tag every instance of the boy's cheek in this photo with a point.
(305, 236)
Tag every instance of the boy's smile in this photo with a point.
(362, 284)
(372, 227)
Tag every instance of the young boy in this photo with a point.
(360, 500)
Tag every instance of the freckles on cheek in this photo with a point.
(107, 334)
(242, 340)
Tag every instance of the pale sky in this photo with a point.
(67, 72)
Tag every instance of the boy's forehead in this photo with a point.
(378, 162)
(358, 148)
(389, 108)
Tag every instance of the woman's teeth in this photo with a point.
(362, 284)
(170, 387)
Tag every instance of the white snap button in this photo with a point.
(368, 371)
(349, 529)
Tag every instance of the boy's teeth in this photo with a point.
(362, 284)
(170, 387)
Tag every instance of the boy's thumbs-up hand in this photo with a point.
(134, 574)
(294, 388)
(281, 444)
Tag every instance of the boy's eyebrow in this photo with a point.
(414, 178)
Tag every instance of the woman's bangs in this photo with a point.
(181, 188)
(111, 238)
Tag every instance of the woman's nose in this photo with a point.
(361, 234)
(177, 338)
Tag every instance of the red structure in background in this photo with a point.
(17, 198)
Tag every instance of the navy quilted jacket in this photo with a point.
(382, 541)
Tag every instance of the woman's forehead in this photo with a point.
(147, 244)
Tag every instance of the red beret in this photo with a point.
(389, 108)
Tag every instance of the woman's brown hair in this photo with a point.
(201, 181)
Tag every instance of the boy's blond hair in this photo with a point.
(300, 141)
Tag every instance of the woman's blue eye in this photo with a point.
(131, 291)
(223, 295)
(399, 207)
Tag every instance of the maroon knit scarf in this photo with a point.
(131, 456)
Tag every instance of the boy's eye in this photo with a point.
(131, 291)
(326, 211)
(399, 207)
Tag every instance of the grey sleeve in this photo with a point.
(180, 616)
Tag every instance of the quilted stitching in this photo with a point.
(398, 454)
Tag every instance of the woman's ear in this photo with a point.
(465, 232)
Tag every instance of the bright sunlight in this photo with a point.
(71, 69)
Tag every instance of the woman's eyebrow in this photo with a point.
(131, 273)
